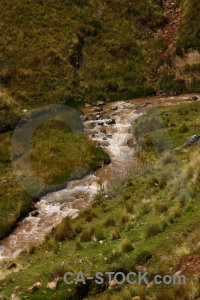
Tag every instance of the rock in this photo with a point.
(38, 284)
(52, 285)
(112, 284)
(192, 140)
(136, 298)
(11, 266)
(168, 113)
(17, 288)
(105, 143)
(178, 272)
(14, 297)
(97, 116)
(34, 287)
(149, 285)
(31, 288)
(100, 103)
(111, 121)
(194, 98)
(87, 104)
(104, 138)
(101, 112)
(97, 109)
(83, 118)
(114, 108)
(34, 213)
(109, 136)
(131, 142)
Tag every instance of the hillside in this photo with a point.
(76, 53)
(150, 223)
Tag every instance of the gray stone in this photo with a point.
(192, 140)
(34, 213)
(131, 142)
(194, 98)
(114, 108)
(100, 103)
(111, 121)
(83, 118)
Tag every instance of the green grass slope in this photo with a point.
(151, 219)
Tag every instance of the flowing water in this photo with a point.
(110, 127)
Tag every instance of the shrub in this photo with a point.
(64, 231)
(126, 294)
(99, 234)
(126, 246)
(124, 218)
(153, 229)
(144, 209)
(166, 83)
(32, 249)
(143, 257)
(78, 245)
(78, 228)
(129, 225)
(86, 236)
(113, 256)
(175, 212)
(160, 207)
(167, 158)
(110, 221)
(183, 128)
(89, 215)
(115, 235)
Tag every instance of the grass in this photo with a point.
(88, 51)
(126, 246)
(56, 156)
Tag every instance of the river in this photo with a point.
(110, 127)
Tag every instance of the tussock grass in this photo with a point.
(64, 231)
(126, 246)
(115, 235)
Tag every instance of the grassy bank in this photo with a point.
(56, 155)
(153, 221)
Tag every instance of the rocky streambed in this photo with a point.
(109, 125)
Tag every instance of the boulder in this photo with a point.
(192, 140)
(83, 118)
(131, 142)
(100, 103)
(14, 297)
(194, 98)
(112, 284)
(97, 109)
(52, 285)
(11, 266)
(34, 213)
(34, 287)
(111, 121)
